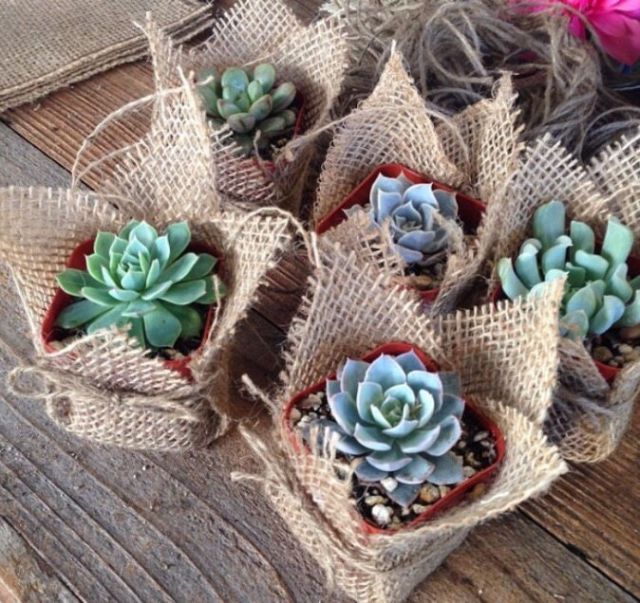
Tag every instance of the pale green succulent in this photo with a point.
(147, 281)
(401, 419)
(598, 295)
(410, 210)
(247, 102)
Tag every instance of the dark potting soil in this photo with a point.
(476, 448)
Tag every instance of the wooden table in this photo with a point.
(81, 521)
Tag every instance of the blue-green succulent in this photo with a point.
(411, 211)
(598, 293)
(400, 419)
(248, 101)
(143, 280)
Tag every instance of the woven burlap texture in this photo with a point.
(475, 151)
(588, 417)
(48, 45)
(458, 50)
(104, 386)
(506, 357)
(312, 57)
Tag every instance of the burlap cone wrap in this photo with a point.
(588, 417)
(104, 387)
(475, 152)
(507, 359)
(312, 57)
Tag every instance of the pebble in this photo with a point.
(478, 491)
(372, 501)
(444, 490)
(481, 435)
(429, 493)
(418, 509)
(423, 281)
(389, 484)
(382, 514)
(602, 354)
(468, 471)
(296, 415)
(630, 332)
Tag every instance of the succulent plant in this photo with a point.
(247, 102)
(401, 419)
(147, 281)
(598, 295)
(418, 233)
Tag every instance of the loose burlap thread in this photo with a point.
(49, 45)
(104, 386)
(588, 417)
(506, 357)
(475, 151)
(457, 51)
(312, 57)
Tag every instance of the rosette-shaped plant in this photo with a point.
(147, 281)
(401, 419)
(247, 102)
(598, 294)
(415, 213)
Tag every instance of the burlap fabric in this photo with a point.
(312, 57)
(457, 51)
(104, 386)
(48, 45)
(506, 357)
(588, 416)
(475, 151)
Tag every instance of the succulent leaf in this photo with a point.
(397, 416)
(143, 280)
(597, 288)
(247, 102)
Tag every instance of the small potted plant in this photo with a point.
(420, 213)
(601, 305)
(416, 446)
(261, 113)
(162, 287)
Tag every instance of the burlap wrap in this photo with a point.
(475, 151)
(48, 45)
(507, 359)
(458, 50)
(104, 387)
(588, 416)
(312, 57)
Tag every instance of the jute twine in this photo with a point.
(313, 57)
(104, 386)
(506, 357)
(588, 417)
(475, 151)
(457, 51)
(49, 45)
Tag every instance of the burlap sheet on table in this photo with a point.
(458, 50)
(312, 57)
(506, 357)
(104, 386)
(475, 151)
(588, 417)
(46, 45)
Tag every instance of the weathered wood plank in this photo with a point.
(24, 576)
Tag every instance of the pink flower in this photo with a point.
(615, 22)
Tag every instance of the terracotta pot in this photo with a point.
(50, 333)
(470, 210)
(457, 493)
(608, 372)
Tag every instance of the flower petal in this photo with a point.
(352, 373)
(450, 432)
(372, 438)
(344, 411)
(368, 394)
(416, 472)
(448, 469)
(391, 460)
(385, 371)
(420, 440)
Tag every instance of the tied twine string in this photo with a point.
(58, 388)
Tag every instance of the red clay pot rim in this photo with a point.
(470, 209)
(457, 493)
(609, 373)
(61, 300)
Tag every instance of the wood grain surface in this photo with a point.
(85, 522)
